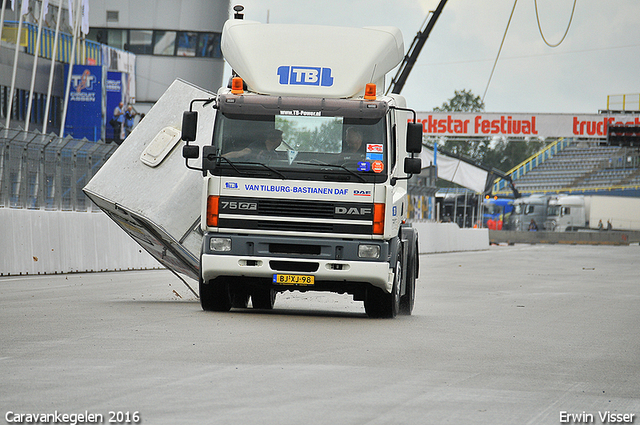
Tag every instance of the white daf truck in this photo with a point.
(305, 176)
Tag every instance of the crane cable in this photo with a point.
(499, 50)
(535, 2)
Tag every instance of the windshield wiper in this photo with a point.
(326, 164)
(231, 163)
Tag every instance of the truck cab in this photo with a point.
(497, 213)
(566, 213)
(305, 187)
(529, 208)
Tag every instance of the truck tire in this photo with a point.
(263, 298)
(408, 299)
(379, 304)
(214, 295)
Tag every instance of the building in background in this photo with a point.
(132, 52)
(171, 39)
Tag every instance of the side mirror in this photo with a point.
(414, 137)
(190, 151)
(209, 158)
(412, 165)
(189, 126)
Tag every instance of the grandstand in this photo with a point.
(577, 166)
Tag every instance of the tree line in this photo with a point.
(495, 152)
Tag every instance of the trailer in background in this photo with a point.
(575, 212)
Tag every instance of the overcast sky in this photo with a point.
(600, 55)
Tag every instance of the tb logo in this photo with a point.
(84, 81)
(305, 75)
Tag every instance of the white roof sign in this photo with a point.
(310, 60)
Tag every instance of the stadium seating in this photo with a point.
(584, 166)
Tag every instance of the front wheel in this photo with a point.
(408, 299)
(379, 304)
(263, 298)
(215, 295)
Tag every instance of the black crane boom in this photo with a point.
(397, 83)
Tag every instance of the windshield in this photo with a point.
(493, 209)
(297, 145)
(553, 210)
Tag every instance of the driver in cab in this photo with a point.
(353, 146)
(353, 141)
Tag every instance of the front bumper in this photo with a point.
(328, 260)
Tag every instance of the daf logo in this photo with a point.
(352, 211)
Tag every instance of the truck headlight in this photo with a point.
(220, 244)
(368, 251)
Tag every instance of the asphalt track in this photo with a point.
(524, 334)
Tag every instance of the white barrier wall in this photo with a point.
(448, 237)
(48, 242)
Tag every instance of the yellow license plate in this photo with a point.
(292, 279)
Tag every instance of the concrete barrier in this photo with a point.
(448, 237)
(571, 238)
(49, 242)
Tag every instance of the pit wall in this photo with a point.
(448, 237)
(588, 237)
(50, 242)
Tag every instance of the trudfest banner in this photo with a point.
(594, 126)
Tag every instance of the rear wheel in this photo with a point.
(239, 297)
(263, 298)
(214, 295)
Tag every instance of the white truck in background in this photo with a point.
(576, 212)
(305, 176)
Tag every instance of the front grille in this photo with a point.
(295, 208)
(294, 226)
(330, 217)
(288, 226)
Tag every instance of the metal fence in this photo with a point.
(88, 52)
(46, 172)
(40, 171)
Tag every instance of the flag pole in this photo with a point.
(71, 60)
(35, 66)
(52, 70)
(4, 5)
(15, 67)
